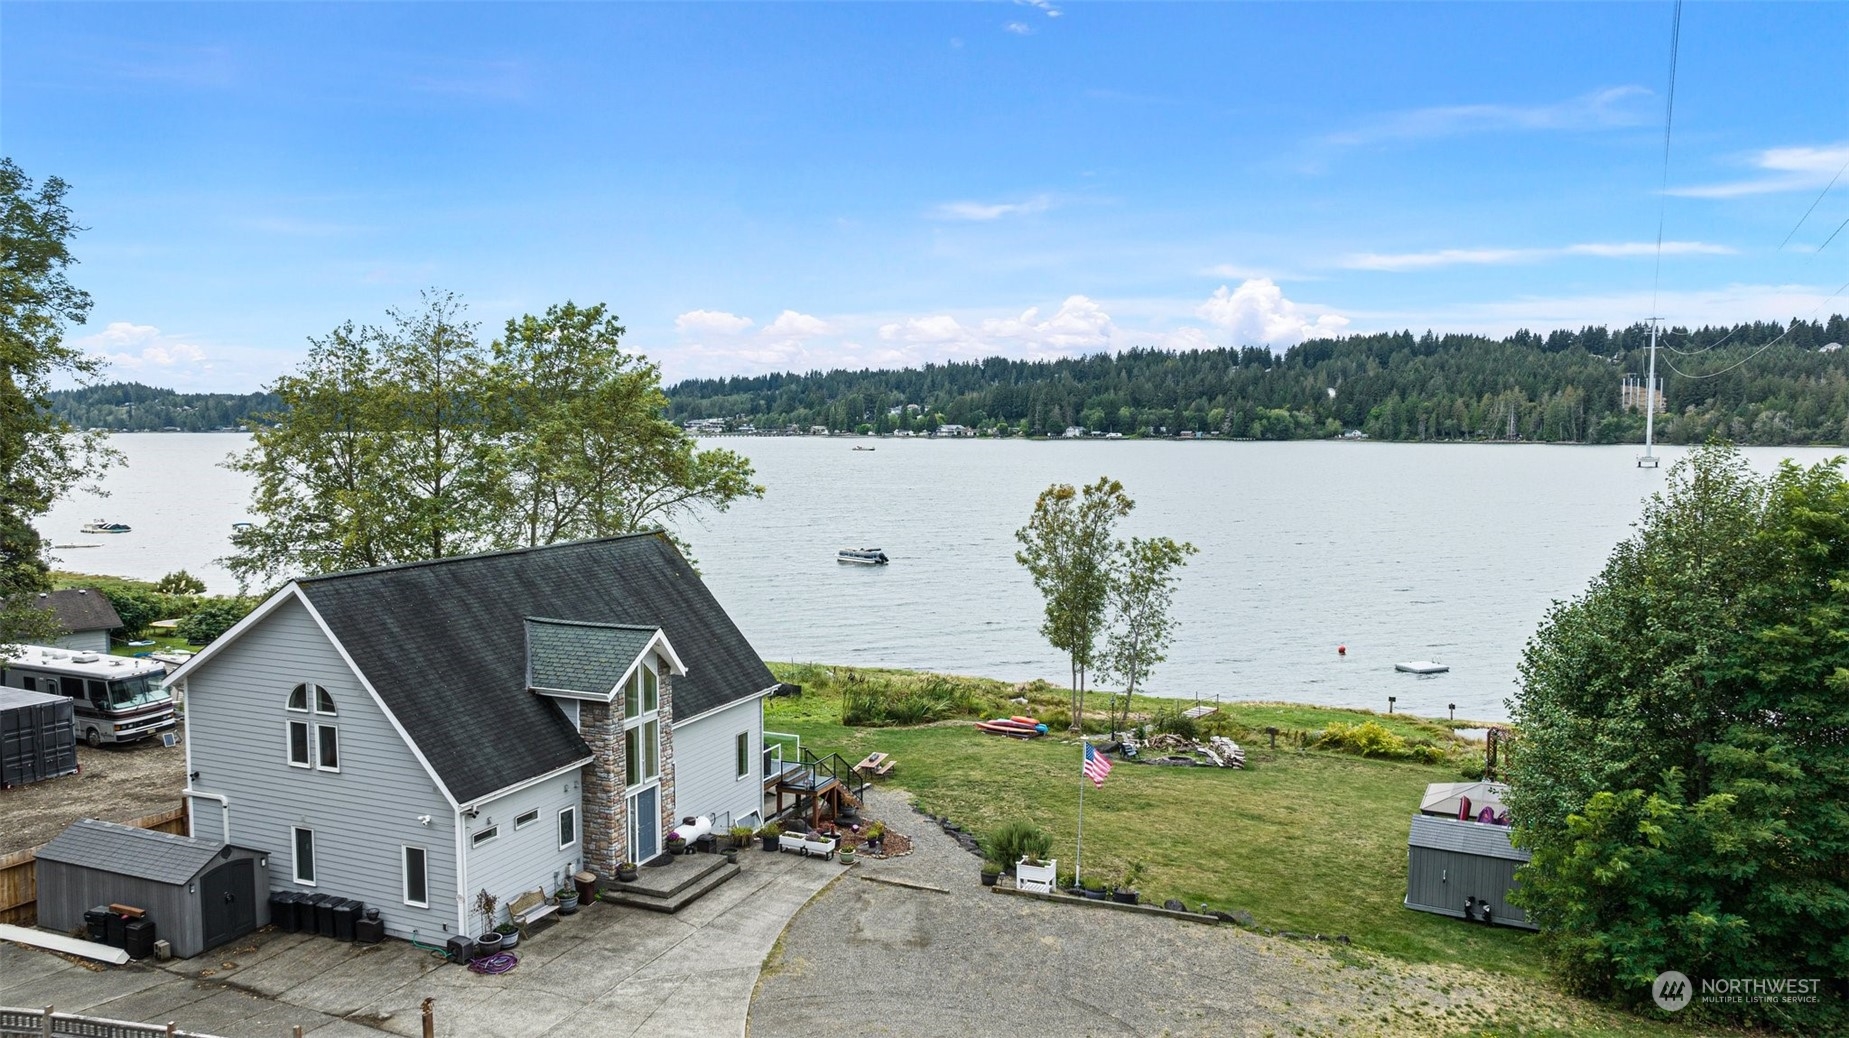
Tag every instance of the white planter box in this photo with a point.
(807, 848)
(1037, 878)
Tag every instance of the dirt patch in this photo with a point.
(114, 783)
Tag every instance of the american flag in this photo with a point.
(1096, 767)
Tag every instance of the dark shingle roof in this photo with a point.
(80, 609)
(128, 851)
(573, 656)
(444, 643)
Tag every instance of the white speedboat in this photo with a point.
(862, 556)
(104, 526)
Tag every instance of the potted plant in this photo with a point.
(769, 835)
(1031, 873)
(1126, 892)
(677, 844)
(1094, 889)
(876, 838)
(991, 871)
(490, 940)
(626, 871)
(510, 936)
(741, 836)
(847, 855)
(568, 900)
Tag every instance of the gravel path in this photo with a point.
(878, 958)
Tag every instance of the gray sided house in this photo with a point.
(199, 893)
(411, 735)
(1460, 868)
(85, 616)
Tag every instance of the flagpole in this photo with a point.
(1078, 856)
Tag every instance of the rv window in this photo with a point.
(29, 684)
(99, 692)
(134, 691)
(50, 685)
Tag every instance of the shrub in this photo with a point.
(214, 618)
(137, 609)
(878, 702)
(1367, 739)
(1170, 720)
(771, 829)
(180, 582)
(1016, 840)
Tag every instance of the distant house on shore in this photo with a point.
(85, 616)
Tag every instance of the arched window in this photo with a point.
(314, 741)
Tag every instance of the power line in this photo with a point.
(1813, 208)
(1832, 237)
(1814, 312)
(1669, 116)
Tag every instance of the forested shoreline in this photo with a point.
(1757, 383)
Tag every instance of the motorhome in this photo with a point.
(116, 699)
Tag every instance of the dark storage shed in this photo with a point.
(199, 894)
(38, 736)
(1453, 868)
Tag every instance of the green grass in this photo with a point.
(1306, 840)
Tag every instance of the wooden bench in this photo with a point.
(529, 908)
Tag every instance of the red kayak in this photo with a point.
(1020, 728)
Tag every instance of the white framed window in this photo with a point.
(526, 818)
(313, 744)
(642, 725)
(304, 855)
(568, 827)
(744, 754)
(299, 756)
(485, 835)
(416, 877)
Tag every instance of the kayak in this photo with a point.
(1019, 727)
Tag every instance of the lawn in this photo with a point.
(1304, 840)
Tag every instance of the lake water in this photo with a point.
(1398, 551)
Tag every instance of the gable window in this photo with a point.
(642, 726)
(314, 738)
(416, 877)
(304, 856)
(744, 754)
(527, 819)
(568, 827)
(485, 835)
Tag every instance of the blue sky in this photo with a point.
(759, 187)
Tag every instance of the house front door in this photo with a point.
(644, 824)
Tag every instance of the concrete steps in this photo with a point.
(672, 887)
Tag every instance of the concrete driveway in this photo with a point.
(608, 970)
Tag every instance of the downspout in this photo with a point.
(224, 805)
(462, 878)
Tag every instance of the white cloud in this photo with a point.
(1046, 7)
(792, 325)
(1600, 109)
(1402, 261)
(133, 349)
(1725, 304)
(1018, 28)
(1256, 313)
(1784, 169)
(710, 322)
(992, 210)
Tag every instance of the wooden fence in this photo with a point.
(19, 874)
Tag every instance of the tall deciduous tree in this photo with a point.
(413, 442)
(40, 458)
(1682, 774)
(1141, 628)
(1067, 546)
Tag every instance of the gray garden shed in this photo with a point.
(200, 894)
(1452, 864)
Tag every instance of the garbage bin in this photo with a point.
(346, 913)
(587, 887)
(282, 910)
(305, 914)
(114, 932)
(369, 929)
(138, 938)
(96, 921)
